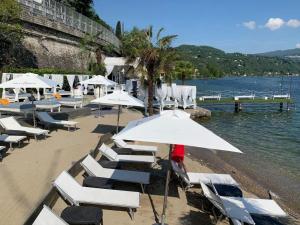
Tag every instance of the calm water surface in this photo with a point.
(270, 139)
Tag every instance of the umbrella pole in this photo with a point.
(119, 110)
(165, 205)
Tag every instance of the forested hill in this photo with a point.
(215, 62)
(289, 53)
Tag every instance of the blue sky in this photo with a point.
(248, 26)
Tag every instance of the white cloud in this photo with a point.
(293, 23)
(274, 23)
(250, 25)
(298, 45)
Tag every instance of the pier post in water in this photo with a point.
(237, 107)
(281, 106)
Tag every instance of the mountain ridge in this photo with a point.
(213, 62)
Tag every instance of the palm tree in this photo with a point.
(184, 70)
(155, 58)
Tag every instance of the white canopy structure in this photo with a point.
(173, 127)
(119, 98)
(98, 80)
(28, 80)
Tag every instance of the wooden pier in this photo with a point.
(256, 101)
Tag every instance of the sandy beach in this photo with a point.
(27, 174)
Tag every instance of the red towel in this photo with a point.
(178, 153)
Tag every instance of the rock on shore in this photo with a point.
(199, 112)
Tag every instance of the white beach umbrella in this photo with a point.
(119, 98)
(99, 80)
(29, 80)
(173, 127)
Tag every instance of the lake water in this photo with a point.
(270, 139)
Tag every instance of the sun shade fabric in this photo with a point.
(174, 127)
(119, 97)
(98, 80)
(29, 80)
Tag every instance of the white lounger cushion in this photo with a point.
(113, 156)
(45, 117)
(10, 123)
(11, 138)
(48, 217)
(93, 168)
(214, 178)
(261, 206)
(144, 148)
(77, 194)
(207, 178)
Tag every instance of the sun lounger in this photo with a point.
(11, 139)
(48, 120)
(50, 104)
(10, 124)
(1, 152)
(194, 178)
(72, 214)
(113, 156)
(140, 148)
(18, 107)
(48, 217)
(240, 209)
(224, 183)
(93, 168)
(71, 101)
(76, 194)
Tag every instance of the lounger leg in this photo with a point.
(131, 213)
(35, 137)
(142, 186)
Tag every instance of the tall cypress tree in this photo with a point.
(119, 30)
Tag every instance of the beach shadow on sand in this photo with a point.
(196, 218)
(104, 129)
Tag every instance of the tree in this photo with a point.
(184, 70)
(87, 45)
(155, 58)
(10, 31)
(119, 30)
(85, 7)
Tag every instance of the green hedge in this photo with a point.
(42, 71)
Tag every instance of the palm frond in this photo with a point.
(159, 33)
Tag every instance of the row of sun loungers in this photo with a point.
(238, 209)
(16, 133)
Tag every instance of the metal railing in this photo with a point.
(58, 12)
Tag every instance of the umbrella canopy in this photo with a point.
(174, 127)
(29, 80)
(119, 98)
(99, 80)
